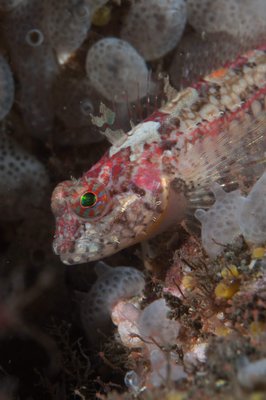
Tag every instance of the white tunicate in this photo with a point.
(20, 173)
(154, 27)
(196, 355)
(125, 316)
(220, 224)
(112, 286)
(117, 71)
(6, 88)
(253, 214)
(132, 381)
(241, 18)
(165, 368)
(34, 63)
(68, 23)
(163, 330)
(253, 375)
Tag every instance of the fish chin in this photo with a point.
(93, 248)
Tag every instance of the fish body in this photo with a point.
(212, 131)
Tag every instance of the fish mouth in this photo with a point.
(78, 251)
(62, 247)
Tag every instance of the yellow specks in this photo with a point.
(220, 383)
(222, 330)
(257, 396)
(230, 272)
(226, 290)
(102, 16)
(188, 282)
(174, 395)
(258, 253)
(257, 328)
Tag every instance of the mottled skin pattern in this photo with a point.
(212, 131)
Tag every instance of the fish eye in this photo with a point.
(90, 202)
(88, 199)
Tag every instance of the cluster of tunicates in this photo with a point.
(43, 37)
(117, 68)
(157, 333)
(232, 215)
(154, 333)
(55, 71)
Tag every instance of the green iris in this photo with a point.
(88, 199)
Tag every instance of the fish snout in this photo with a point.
(59, 197)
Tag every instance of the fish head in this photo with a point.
(96, 217)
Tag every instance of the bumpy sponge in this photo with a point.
(154, 27)
(232, 215)
(20, 173)
(232, 16)
(117, 71)
(67, 25)
(253, 214)
(113, 285)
